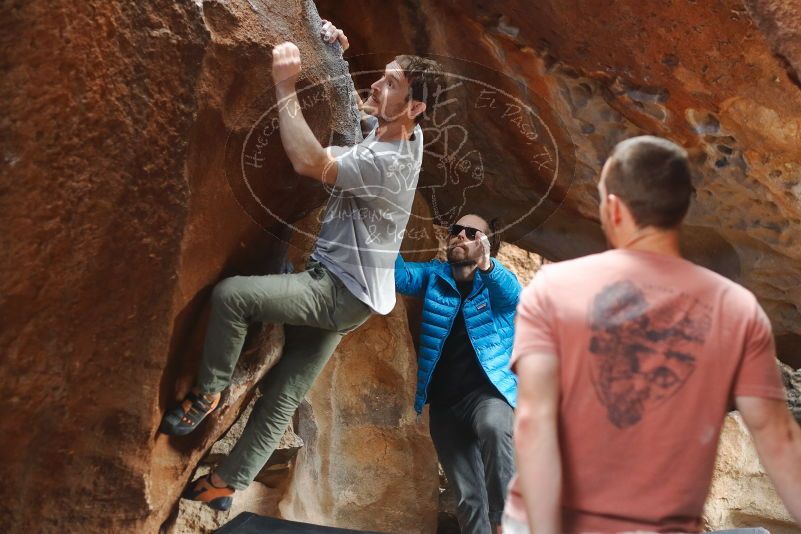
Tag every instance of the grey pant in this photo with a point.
(473, 439)
(317, 310)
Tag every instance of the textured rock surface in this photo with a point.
(701, 73)
(523, 263)
(369, 463)
(792, 382)
(780, 22)
(97, 108)
(120, 208)
(742, 495)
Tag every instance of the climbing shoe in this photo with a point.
(185, 417)
(204, 491)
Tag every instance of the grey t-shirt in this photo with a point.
(365, 219)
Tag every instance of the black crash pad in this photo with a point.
(250, 523)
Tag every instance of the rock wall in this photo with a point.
(368, 462)
(742, 495)
(779, 22)
(98, 103)
(123, 202)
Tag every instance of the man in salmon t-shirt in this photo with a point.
(628, 362)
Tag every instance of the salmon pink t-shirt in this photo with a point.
(652, 351)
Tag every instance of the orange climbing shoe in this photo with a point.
(185, 417)
(204, 491)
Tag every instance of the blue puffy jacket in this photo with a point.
(489, 313)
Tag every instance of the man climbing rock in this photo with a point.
(465, 346)
(349, 275)
(628, 362)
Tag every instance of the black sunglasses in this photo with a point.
(469, 231)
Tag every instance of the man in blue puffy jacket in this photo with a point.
(463, 367)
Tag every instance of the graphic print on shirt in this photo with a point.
(642, 352)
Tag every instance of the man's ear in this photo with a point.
(416, 108)
(615, 208)
(626, 215)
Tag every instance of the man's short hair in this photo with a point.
(652, 177)
(426, 80)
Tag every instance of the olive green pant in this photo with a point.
(317, 310)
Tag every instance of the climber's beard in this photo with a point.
(458, 256)
(384, 111)
(370, 106)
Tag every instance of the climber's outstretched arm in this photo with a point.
(308, 157)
